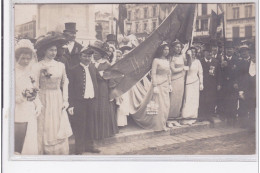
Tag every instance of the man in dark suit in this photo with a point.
(247, 88)
(83, 91)
(71, 51)
(212, 81)
(229, 91)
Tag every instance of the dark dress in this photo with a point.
(208, 96)
(106, 116)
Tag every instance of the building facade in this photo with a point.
(142, 19)
(240, 21)
(52, 17)
(104, 25)
(26, 30)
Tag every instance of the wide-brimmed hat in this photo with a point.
(177, 42)
(87, 50)
(70, 26)
(50, 39)
(111, 37)
(100, 46)
(125, 47)
(243, 47)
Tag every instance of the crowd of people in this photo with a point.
(60, 90)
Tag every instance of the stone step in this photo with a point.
(137, 134)
(162, 141)
(146, 134)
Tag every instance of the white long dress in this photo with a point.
(52, 139)
(191, 100)
(25, 111)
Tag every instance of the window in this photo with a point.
(204, 25)
(235, 32)
(154, 26)
(248, 31)
(129, 15)
(248, 11)
(204, 9)
(145, 13)
(137, 14)
(197, 25)
(154, 11)
(136, 27)
(145, 26)
(236, 13)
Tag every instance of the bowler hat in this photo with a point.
(243, 47)
(100, 47)
(111, 37)
(87, 50)
(70, 26)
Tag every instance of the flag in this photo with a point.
(213, 24)
(137, 63)
(121, 17)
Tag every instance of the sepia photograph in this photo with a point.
(134, 79)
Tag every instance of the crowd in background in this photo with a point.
(186, 84)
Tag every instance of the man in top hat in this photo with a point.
(212, 83)
(247, 87)
(72, 50)
(229, 91)
(111, 40)
(83, 92)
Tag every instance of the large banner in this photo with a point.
(137, 63)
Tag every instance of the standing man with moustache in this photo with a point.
(71, 52)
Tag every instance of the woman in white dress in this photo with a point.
(27, 103)
(194, 83)
(53, 124)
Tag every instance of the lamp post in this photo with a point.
(128, 27)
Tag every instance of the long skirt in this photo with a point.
(106, 119)
(191, 102)
(49, 122)
(155, 122)
(176, 97)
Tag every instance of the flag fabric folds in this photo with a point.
(137, 63)
(121, 17)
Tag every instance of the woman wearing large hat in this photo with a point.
(53, 124)
(106, 117)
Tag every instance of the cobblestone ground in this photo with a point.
(241, 143)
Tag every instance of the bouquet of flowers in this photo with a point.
(152, 107)
(46, 73)
(31, 93)
(212, 71)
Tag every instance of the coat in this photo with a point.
(72, 59)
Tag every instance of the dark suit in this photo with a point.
(71, 59)
(208, 96)
(247, 84)
(85, 110)
(229, 93)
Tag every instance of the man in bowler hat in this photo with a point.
(83, 91)
(72, 50)
(111, 40)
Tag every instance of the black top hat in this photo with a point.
(111, 37)
(71, 27)
(206, 47)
